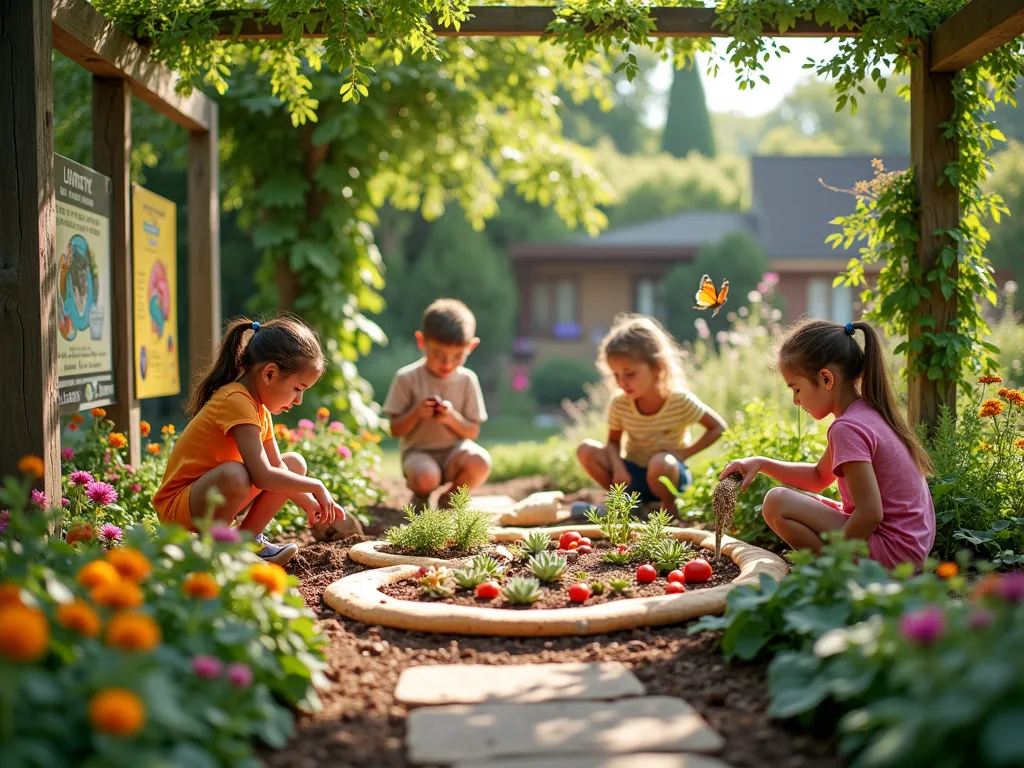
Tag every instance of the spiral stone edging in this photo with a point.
(358, 597)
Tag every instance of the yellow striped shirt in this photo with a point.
(667, 430)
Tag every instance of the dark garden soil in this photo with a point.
(362, 725)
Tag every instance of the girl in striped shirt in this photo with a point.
(650, 416)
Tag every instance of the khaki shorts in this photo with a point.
(450, 461)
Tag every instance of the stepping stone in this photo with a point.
(519, 683)
(482, 731)
(646, 760)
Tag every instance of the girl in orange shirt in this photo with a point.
(229, 442)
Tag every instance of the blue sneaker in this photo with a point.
(272, 553)
(578, 510)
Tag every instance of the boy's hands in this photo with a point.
(749, 468)
(427, 408)
(444, 412)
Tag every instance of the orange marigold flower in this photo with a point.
(117, 440)
(167, 429)
(24, 633)
(990, 380)
(153, 448)
(133, 632)
(144, 428)
(947, 570)
(201, 586)
(117, 711)
(282, 431)
(322, 414)
(77, 418)
(98, 413)
(81, 532)
(1014, 396)
(122, 595)
(73, 426)
(1020, 444)
(79, 617)
(31, 465)
(986, 585)
(990, 407)
(986, 447)
(10, 594)
(97, 573)
(130, 563)
(271, 576)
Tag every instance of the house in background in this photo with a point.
(570, 291)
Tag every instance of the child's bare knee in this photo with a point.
(480, 462)
(587, 451)
(423, 480)
(773, 505)
(294, 462)
(234, 480)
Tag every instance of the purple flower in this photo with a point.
(67, 454)
(306, 424)
(980, 619)
(136, 487)
(81, 477)
(336, 427)
(110, 533)
(40, 499)
(1011, 587)
(923, 626)
(65, 501)
(225, 535)
(239, 675)
(101, 493)
(5, 518)
(344, 452)
(207, 667)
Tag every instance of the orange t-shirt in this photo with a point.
(205, 444)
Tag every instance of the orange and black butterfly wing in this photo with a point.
(706, 296)
(723, 292)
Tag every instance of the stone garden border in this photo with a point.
(358, 596)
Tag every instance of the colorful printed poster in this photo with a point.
(155, 286)
(85, 357)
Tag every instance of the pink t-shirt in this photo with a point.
(907, 531)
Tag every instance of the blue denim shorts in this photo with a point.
(638, 480)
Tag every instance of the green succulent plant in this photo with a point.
(488, 565)
(522, 591)
(597, 588)
(618, 586)
(669, 556)
(547, 566)
(535, 543)
(470, 578)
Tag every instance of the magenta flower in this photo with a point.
(40, 499)
(5, 518)
(207, 667)
(101, 493)
(81, 477)
(129, 469)
(306, 424)
(980, 619)
(923, 626)
(336, 427)
(65, 501)
(1011, 587)
(344, 452)
(112, 477)
(225, 535)
(772, 278)
(110, 533)
(106, 457)
(67, 454)
(239, 675)
(136, 487)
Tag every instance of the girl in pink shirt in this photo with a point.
(877, 459)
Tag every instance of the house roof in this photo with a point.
(792, 208)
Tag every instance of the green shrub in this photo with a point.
(430, 531)
(472, 527)
(562, 378)
(554, 460)
(617, 521)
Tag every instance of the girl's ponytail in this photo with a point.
(226, 368)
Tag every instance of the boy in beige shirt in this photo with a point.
(436, 407)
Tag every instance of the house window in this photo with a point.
(649, 299)
(827, 302)
(842, 304)
(554, 308)
(818, 298)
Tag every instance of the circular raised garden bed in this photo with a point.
(359, 596)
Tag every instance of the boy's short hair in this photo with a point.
(449, 322)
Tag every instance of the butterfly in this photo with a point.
(708, 299)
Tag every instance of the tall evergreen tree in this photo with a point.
(688, 125)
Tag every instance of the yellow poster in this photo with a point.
(155, 286)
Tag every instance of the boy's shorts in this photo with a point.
(638, 480)
(450, 460)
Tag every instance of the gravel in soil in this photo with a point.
(554, 595)
(362, 726)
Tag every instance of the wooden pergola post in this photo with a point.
(203, 247)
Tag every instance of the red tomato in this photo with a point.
(585, 542)
(645, 574)
(488, 590)
(579, 593)
(584, 549)
(674, 588)
(567, 538)
(677, 576)
(697, 571)
(622, 548)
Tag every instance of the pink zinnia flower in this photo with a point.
(1011, 587)
(110, 533)
(129, 469)
(306, 424)
(136, 487)
(106, 457)
(344, 452)
(81, 477)
(40, 499)
(239, 675)
(225, 535)
(206, 667)
(101, 493)
(65, 501)
(67, 454)
(336, 427)
(980, 619)
(112, 477)
(5, 518)
(772, 278)
(923, 626)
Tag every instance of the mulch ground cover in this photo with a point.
(361, 724)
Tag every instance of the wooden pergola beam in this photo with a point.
(974, 31)
(528, 21)
(87, 37)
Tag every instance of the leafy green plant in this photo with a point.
(437, 583)
(521, 591)
(597, 587)
(535, 543)
(472, 526)
(427, 532)
(651, 538)
(619, 586)
(488, 565)
(548, 567)
(581, 576)
(616, 524)
(670, 555)
(618, 557)
(470, 578)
